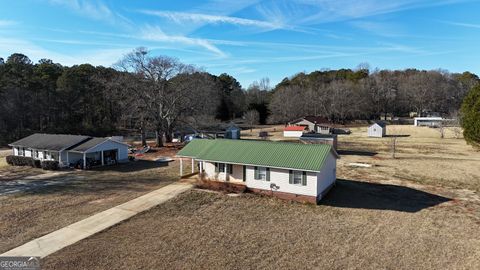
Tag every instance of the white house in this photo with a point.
(302, 172)
(293, 131)
(378, 129)
(315, 124)
(71, 149)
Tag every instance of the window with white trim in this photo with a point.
(297, 177)
(262, 173)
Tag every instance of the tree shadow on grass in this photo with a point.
(398, 136)
(131, 166)
(356, 153)
(364, 195)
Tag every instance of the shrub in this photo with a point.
(221, 186)
(50, 165)
(19, 160)
(36, 163)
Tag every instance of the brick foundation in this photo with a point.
(286, 196)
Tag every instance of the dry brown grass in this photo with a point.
(422, 156)
(380, 227)
(29, 215)
(3, 162)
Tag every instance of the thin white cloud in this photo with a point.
(468, 25)
(154, 33)
(94, 10)
(312, 12)
(182, 17)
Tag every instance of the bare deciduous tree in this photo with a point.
(252, 118)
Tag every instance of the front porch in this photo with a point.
(221, 172)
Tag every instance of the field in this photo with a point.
(414, 230)
(72, 196)
(420, 209)
(421, 157)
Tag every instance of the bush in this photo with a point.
(19, 161)
(221, 186)
(36, 163)
(50, 165)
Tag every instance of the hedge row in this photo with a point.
(50, 165)
(35, 163)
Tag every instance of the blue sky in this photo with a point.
(249, 39)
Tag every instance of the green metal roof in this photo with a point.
(308, 157)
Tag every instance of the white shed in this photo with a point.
(378, 129)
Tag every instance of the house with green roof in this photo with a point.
(302, 172)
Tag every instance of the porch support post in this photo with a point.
(201, 166)
(181, 167)
(60, 157)
(102, 157)
(68, 160)
(84, 160)
(193, 165)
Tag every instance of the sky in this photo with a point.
(249, 39)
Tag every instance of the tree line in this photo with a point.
(142, 92)
(342, 95)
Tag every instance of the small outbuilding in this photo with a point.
(378, 130)
(232, 132)
(293, 131)
(315, 138)
(428, 121)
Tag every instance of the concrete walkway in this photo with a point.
(75, 232)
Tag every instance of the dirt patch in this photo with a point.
(207, 230)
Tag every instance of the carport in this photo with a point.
(100, 152)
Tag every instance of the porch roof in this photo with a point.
(308, 157)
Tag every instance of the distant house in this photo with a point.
(232, 132)
(315, 124)
(302, 172)
(71, 149)
(293, 131)
(378, 129)
(428, 121)
(314, 138)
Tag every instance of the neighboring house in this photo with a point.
(302, 172)
(293, 131)
(232, 132)
(316, 124)
(428, 121)
(314, 138)
(71, 149)
(378, 129)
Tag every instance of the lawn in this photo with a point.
(79, 194)
(359, 225)
(422, 157)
